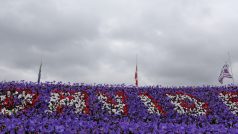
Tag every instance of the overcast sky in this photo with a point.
(178, 42)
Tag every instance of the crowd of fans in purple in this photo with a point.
(36, 119)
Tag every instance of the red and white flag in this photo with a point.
(224, 73)
(136, 77)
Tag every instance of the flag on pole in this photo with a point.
(224, 73)
(39, 74)
(136, 76)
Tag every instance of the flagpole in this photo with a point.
(136, 74)
(220, 76)
(39, 74)
(136, 59)
(229, 60)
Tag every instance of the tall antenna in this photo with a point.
(229, 60)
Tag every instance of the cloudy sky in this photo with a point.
(178, 42)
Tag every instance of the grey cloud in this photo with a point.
(178, 42)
